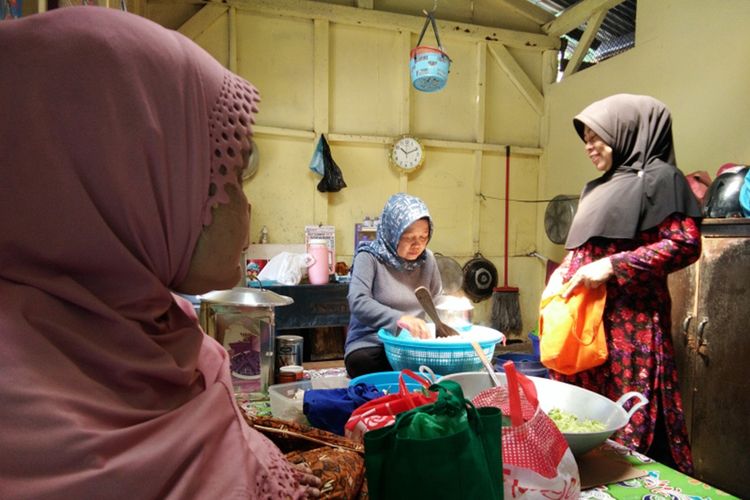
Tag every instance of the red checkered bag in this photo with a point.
(382, 411)
(537, 461)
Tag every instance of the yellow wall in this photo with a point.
(693, 55)
(351, 81)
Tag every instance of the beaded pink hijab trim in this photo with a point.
(229, 131)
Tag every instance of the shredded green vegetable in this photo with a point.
(567, 422)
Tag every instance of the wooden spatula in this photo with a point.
(441, 329)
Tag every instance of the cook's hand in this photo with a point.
(306, 478)
(416, 326)
(591, 275)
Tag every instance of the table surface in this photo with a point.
(314, 306)
(659, 483)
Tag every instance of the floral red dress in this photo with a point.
(638, 326)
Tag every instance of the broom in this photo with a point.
(506, 310)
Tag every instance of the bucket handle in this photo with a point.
(430, 20)
(642, 401)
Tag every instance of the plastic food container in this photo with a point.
(287, 399)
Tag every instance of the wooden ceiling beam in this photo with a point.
(592, 26)
(517, 76)
(576, 15)
(202, 20)
(388, 20)
(530, 11)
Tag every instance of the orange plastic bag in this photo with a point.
(571, 331)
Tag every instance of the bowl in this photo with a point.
(388, 381)
(442, 355)
(528, 364)
(456, 312)
(580, 402)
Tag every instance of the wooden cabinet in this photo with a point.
(711, 333)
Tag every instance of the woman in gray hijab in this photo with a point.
(385, 273)
(635, 224)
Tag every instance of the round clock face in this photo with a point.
(407, 154)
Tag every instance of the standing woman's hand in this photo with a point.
(591, 275)
(416, 326)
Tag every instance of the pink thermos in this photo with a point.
(318, 270)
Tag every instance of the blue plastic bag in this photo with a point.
(317, 163)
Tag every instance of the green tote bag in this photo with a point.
(446, 449)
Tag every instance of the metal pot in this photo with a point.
(243, 321)
(480, 277)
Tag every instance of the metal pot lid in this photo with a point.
(451, 273)
(480, 277)
(240, 296)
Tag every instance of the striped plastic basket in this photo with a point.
(443, 356)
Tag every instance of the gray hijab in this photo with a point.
(400, 211)
(644, 186)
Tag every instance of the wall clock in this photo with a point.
(407, 154)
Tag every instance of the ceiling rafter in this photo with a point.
(577, 14)
(592, 27)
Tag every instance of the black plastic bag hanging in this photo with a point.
(333, 179)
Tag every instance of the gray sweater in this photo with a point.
(379, 295)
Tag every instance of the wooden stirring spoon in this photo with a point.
(425, 298)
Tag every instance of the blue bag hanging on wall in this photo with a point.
(316, 163)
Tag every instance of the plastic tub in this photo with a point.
(534, 338)
(448, 355)
(429, 68)
(388, 381)
(287, 399)
(528, 364)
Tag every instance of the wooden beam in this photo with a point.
(517, 75)
(202, 20)
(342, 14)
(575, 15)
(387, 140)
(592, 27)
(529, 11)
(404, 110)
(364, 4)
(480, 101)
(321, 65)
(232, 35)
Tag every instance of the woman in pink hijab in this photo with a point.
(122, 144)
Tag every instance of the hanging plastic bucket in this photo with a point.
(429, 65)
(429, 68)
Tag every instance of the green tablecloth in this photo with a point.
(660, 482)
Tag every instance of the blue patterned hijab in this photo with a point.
(399, 212)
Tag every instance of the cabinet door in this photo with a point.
(721, 365)
(682, 288)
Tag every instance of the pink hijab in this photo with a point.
(117, 137)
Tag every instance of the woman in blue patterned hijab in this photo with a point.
(400, 212)
(385, 274)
